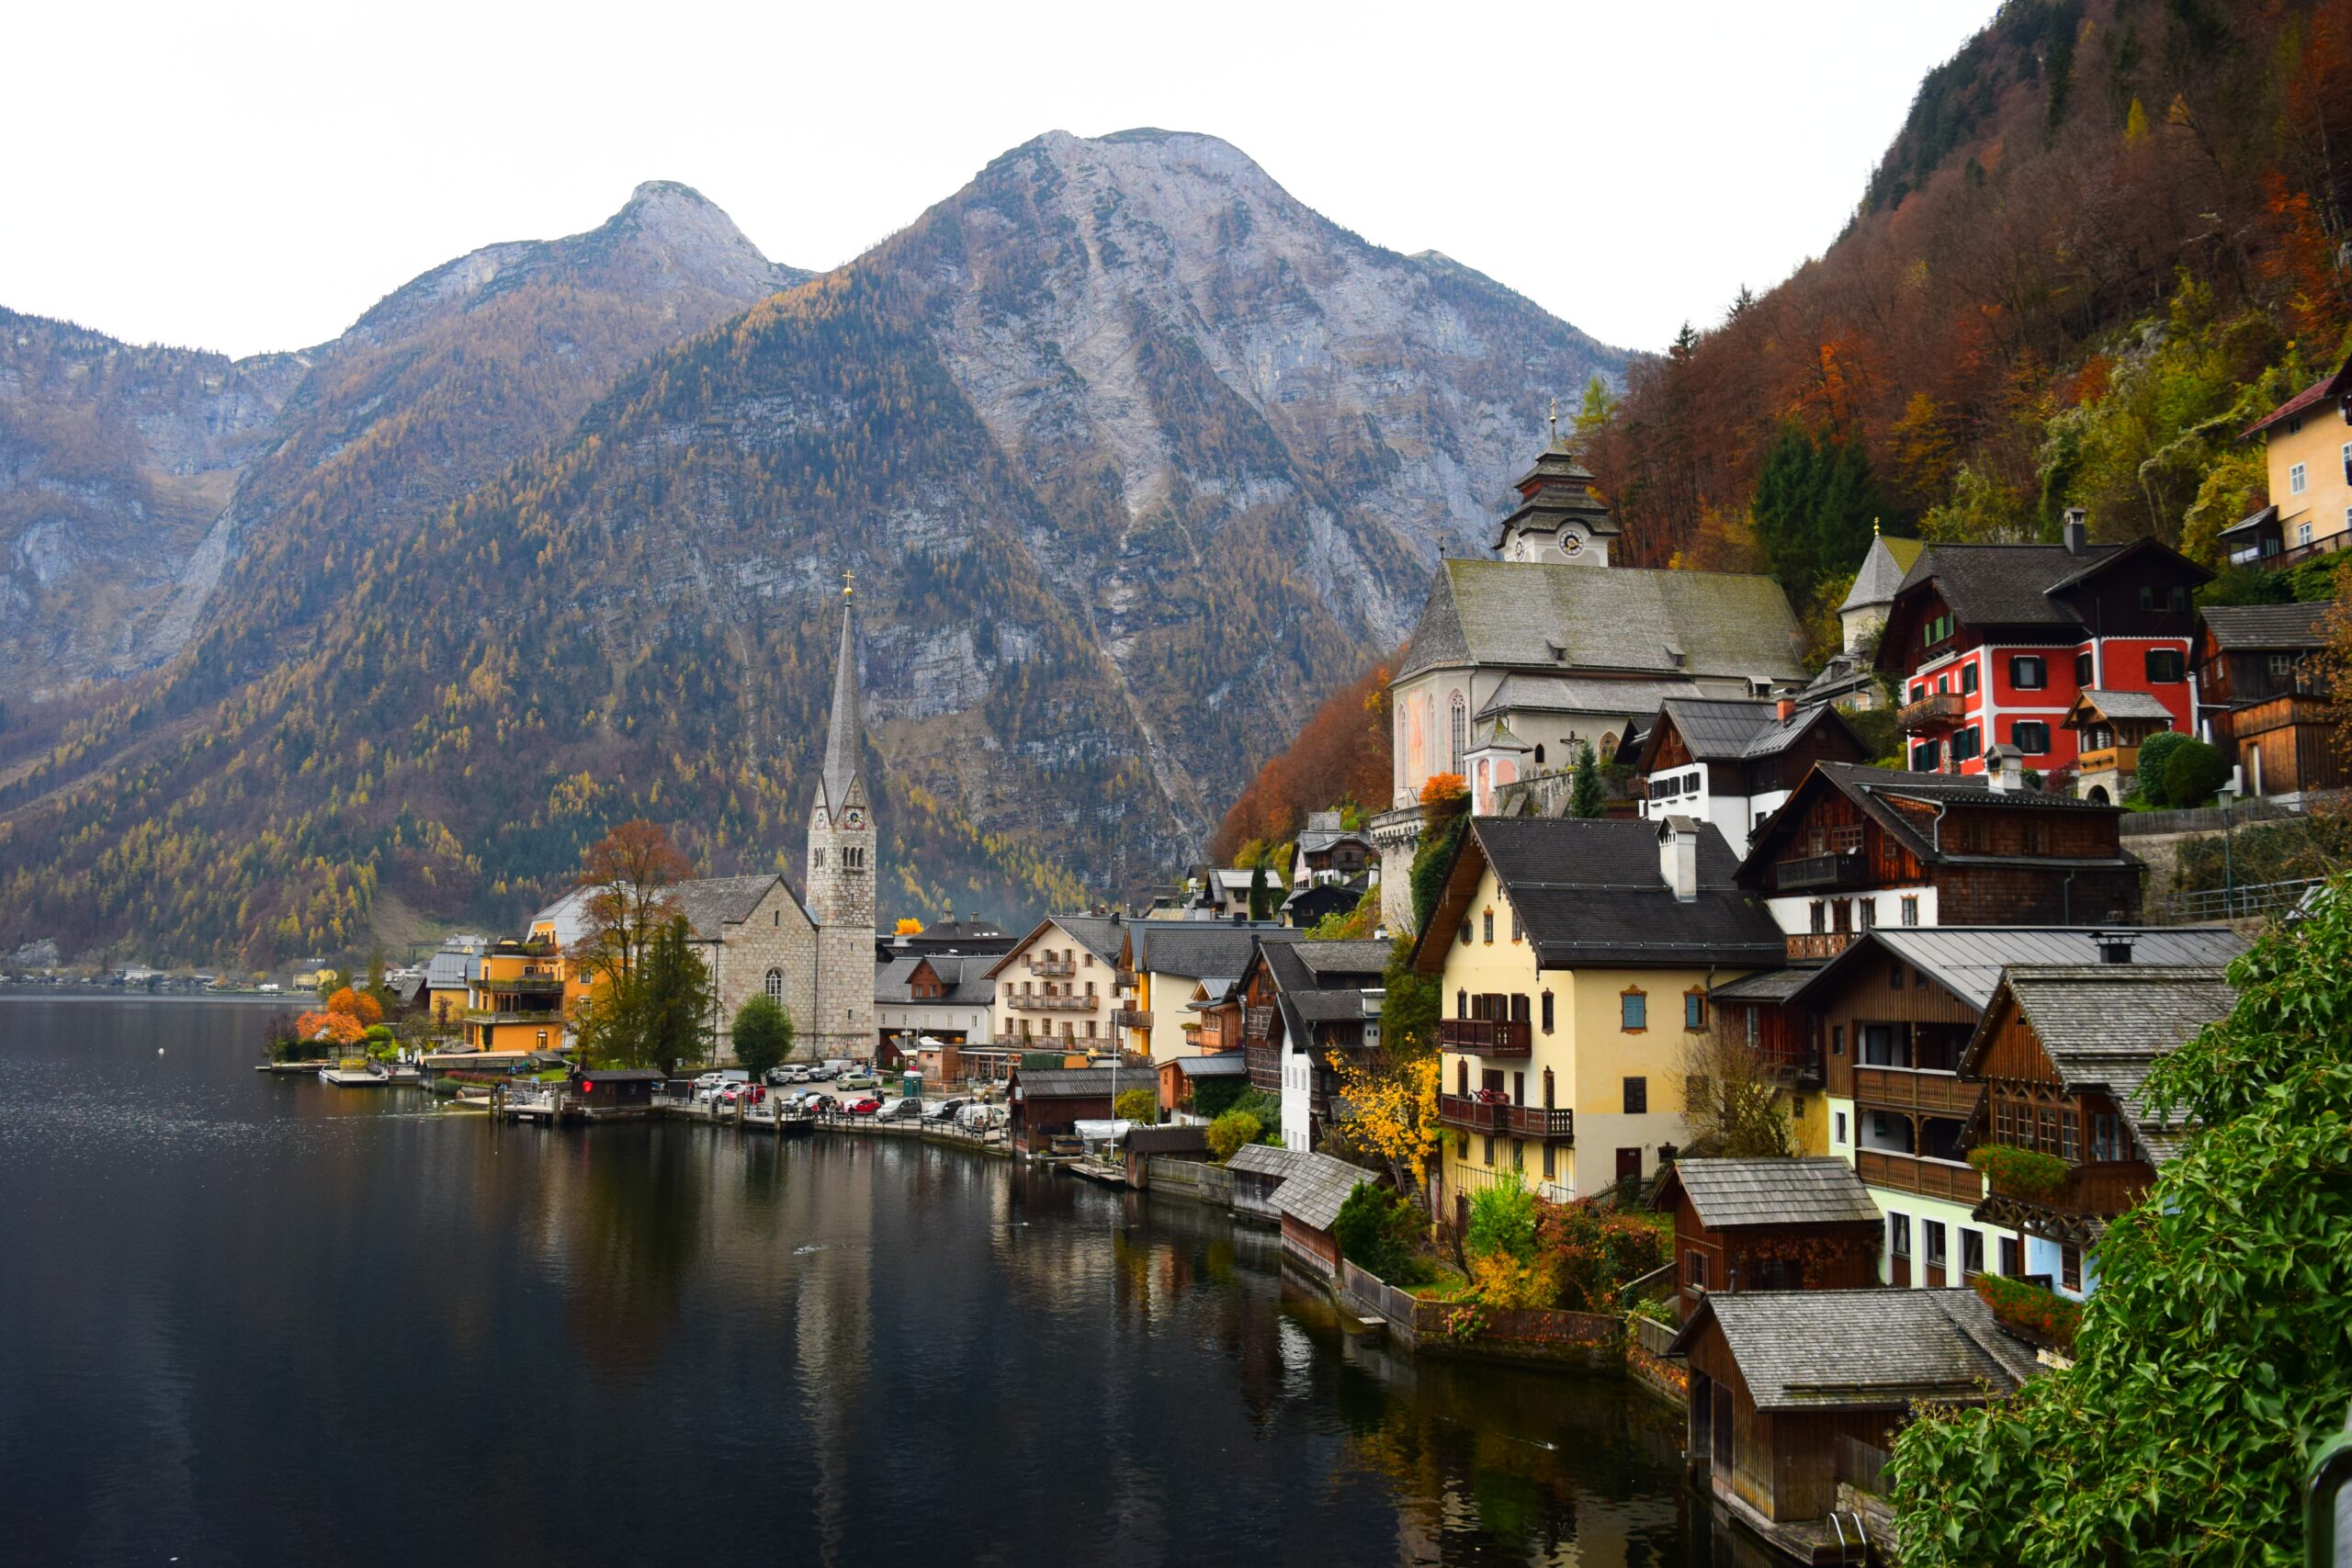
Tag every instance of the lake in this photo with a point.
(249, 1320)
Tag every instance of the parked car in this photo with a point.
(865, 1107)
(859, 1081)
(908, 1109)
(944, 1111)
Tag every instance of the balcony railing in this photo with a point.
(1838, 868)
(1468, 1114)
(1936, 710)
(2096, 1187)
(1034, 1003)
(1928, 1178)
(1502, 1038)
(2109, 759)
(1557, 1125)
(1130, 1018)
(1804, 946)
(1054, 968)
(1258, 1022)
(1906, 1088)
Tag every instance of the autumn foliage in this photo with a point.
(1341, 756)
(334, 1028)
(357, 1005)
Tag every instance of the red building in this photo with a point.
(1995, 642)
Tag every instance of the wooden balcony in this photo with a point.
(1467, 1113)
(1130, 1018)
(1054, 968)
(1552, 1126)
(1838, 868)
(1805, 947)
(1936, 710)
(1503, 1039)
(2109, 759)
(1217, 1032)
(1905, 1088)
(1928, 1178)
(1029, 1002)
(2103, 1188)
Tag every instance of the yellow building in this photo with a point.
(515, 998)
(1574, 958)
(2307, 444)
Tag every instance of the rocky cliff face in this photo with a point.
(1133, 457)
(134, 481)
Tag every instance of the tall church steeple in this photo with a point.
(841, 869)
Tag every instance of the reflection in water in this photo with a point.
(275, 1323)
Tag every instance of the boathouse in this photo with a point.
(606, 1091)
(1768, 1224)
(1049, 1102)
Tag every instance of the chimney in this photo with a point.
(2002, 774)
(2077, 530)
(1677, 857)
(1786, 708)
(2114, 947)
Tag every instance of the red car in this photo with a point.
(865, 1107)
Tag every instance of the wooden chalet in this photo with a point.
(1795, 1391)
(2261, 700)
(1180, 1075)
(1733, 762)
(2109, 728)
(608, 1091)
(1858, 849)
(1317, 999)
(2059, 1055)
(1768, 1224)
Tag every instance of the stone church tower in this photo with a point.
(841, 876)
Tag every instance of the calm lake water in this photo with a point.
(245, 1320)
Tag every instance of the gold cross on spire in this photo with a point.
(849, 582)
(1555, 419)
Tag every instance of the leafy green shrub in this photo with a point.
(1213, 1098)
(1380, 1232)
(1502, 1219)
(1591, 1253)
(2154, 752)
(2193, 773)
(2027, 1173)
(1232, 1132)
(762, 1034)
(2211, 1360)
(1137, 1105)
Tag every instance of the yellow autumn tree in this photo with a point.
(909, 926)
(1395, 1099)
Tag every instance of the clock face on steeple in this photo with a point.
(1571, 543)
(853, 817)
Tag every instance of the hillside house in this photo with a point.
(1573, 959)
(1734, 762)
(2109, 728)
(2261, 699)
(1995, 642)
(2307, 446)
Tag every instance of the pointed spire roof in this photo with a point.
(845, 737)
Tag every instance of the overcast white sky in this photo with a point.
(249, 176)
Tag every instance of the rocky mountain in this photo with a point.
(1132, 456)
(133, 481)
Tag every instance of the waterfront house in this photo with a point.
(1308, 1201)
(1049, 1102)
(1057, 988)
(1178, 1076)
(1572, 960)
(1734, 762)
(514, 1000)
(2261, 700)
(1163, 966)
(1768, 1224)
(1302, 1003)
(2307, 446)
(1895, 1013)
(1795, 1391)
(1560, 648)
(1257, 1172)
(607, 1091)
(2059, 1055)
(1993, 642)
(940, 996)
(1859, 848)
(1168, 1141)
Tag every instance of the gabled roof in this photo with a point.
(1196, 949)
(966, 976)
(2013, 585)
(2284, 629)
(1320, 834)
(710, 903)
(1317, 1186)
(1543, 618)
(1880, 792)
(1736, 729)
(1591, 892)
(568, 917)
(451, 971)
(1078, 1083)
(1882, 571)
(1967, 961)
(1101, 935)
(1860, 1350)
(2311, 397)
(1730, 1193)
(2094, 703)
(2104, 1025)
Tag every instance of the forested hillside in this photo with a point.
(1131, 455)
(2110, 234)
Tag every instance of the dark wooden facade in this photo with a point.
(2289, 743)
(2025, 1104)
(1786, 1039)
(1768, 1257)
(1783, 1464)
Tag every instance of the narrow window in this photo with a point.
(2028, 673)
(1910, 909)
(2070, 1267)
(2031, 737)
(1898, 1228)
(776, 984)
(1632, 1012)
(1547, 1013)
(1694, 1011)
(1972, 1255)
(1968, 681)
(1839, 1135)
(1490, 928)
(1637, 1097)
(2298, 479)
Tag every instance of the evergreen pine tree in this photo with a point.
(1585, 798)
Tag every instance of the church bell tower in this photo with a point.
(840, 873)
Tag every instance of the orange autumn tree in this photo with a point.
(330, 1027)
(1341, 756)
(357, 1005)
(1395, 1097)
(631, 871)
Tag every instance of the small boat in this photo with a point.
(351, 1077)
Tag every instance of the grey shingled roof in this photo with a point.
(1322, 959)
(1197, 949)
(1861, 1350)
(1730, 1194)
(710, 903)
(1572, 618)
(1967, 960)
(1875, 789)
(2105, 1025)
(1882, 572)
(2258, 628)
(2123, 705)
(1314, 1189)
(2005, 585)
(1636, 699)
(1265, 1159)
(1771, 986)
(1591, 892)
(1099, 934)
(1079, 1083)
(966, 975)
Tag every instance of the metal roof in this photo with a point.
(1729, 1193)
(1571, 618)
(1967, 960)
(1222, 1065)
(1078, 1083)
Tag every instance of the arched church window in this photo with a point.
(1459, 731)
(1539, 753)
(821, 860)
(775, 985)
